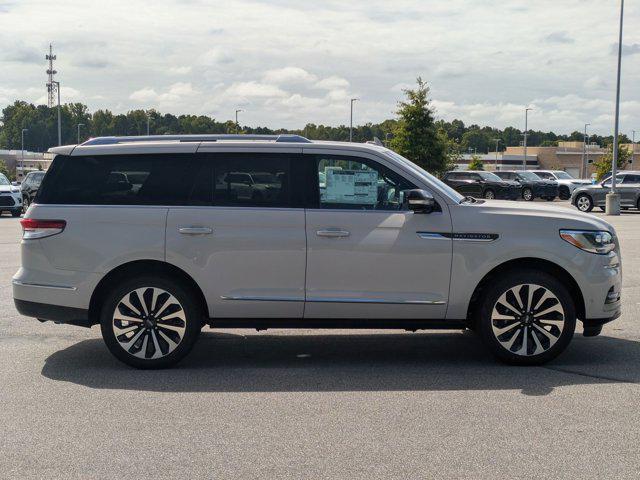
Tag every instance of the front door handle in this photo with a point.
(195, 230)
(333, 233)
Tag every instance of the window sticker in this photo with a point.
(358, 187)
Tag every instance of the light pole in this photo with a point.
(633, 145)
(612, 201)
(59, 121)
(351, 120)
(79, 125)
(148, 118)
(22, 155)
(237, 125)
(526, 128)
(497, 140)
(584, 153)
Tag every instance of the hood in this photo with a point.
(562, 217)
(9, 188)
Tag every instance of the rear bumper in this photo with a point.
(54, 313)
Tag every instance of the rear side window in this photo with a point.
(251, 179)
(165, 179)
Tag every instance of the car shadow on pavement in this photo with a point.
(226, 362)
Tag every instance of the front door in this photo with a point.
(242, 238)
(367, 256)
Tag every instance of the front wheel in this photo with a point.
(489, 194)
(527, 194)
(564, 193)
(527, 317)
(150, 321)
(584, 203)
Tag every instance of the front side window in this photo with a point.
(251, 180)
(545, 175)
(490, 177)
(563, 175)
(346, 182)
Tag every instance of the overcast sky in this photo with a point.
(289, 62)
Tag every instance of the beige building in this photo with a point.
(32, 161)
(568, 156)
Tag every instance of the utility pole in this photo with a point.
(612, 201)
(237, 125)
(585, 166)
(79, 125)
(633, 145)
(57, 84)
(147, 124)
(351, 120)
(526, 128)
(22, 156)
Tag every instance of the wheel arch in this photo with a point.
(140, 267)
(535, 264)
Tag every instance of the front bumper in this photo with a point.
(593, 326)
(11, 201)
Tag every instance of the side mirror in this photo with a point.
(420, 201)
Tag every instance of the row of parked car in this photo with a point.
(14, 197)
(515, 184)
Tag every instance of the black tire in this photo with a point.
(519, 281)
(159, 335)
(564, 193)
(527, 194)
(16, 213)
(549, 199)
(489, 194)
(25, 204)
(584, 202)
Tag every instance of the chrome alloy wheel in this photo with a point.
(527, 194)
(527, 319)
(583, 203)
(149, 323)
(489, 195)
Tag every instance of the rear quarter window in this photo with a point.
(165, 179)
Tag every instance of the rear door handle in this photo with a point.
(195, 230)
(333, 233)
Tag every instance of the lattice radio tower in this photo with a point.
(52, 87)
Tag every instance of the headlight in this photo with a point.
(599, 242)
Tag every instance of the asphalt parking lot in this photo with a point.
(318, 404)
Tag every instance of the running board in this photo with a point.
(349, 323)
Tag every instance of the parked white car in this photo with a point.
(10, 197)
(566, 183)
(153, 238)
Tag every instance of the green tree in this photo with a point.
(476, 163)
(4, 169)
(415, 135)
(603, 166)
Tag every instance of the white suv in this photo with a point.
(155, 237)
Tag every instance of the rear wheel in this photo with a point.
(584, 203)
(527, 194)
(527, 317)
(564, 193)
(489, 194)
(150, 322)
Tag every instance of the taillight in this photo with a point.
(32, 228)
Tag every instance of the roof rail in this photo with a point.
(283, 138)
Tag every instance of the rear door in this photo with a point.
(367, 256)
(243, 237)
(628, 189)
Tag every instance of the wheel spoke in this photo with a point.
(525, 335)
(500, 331)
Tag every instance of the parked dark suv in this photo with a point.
(532, 185)
(481, 184)
(30, 187)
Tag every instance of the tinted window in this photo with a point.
(251, 180)
(348, 182)
(631, 179)
(545, 175)
(166, 179)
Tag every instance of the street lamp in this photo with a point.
(585, 166)
(351, 120)
(497, 140)
(526, 128)
(237, 125)
(633, 144)
(148, 118)
(79, 125)
(612, 201)
(22, 155)
(59, 121)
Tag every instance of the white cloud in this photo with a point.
(333, 82)
(184, 70)
(288, 75)
(144, 95)
(254, 89)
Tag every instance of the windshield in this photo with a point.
(563, 175)
(490, 176)
(529, 176)
(4, 180)
(441, 185)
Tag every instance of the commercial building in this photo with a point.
(32, 161)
